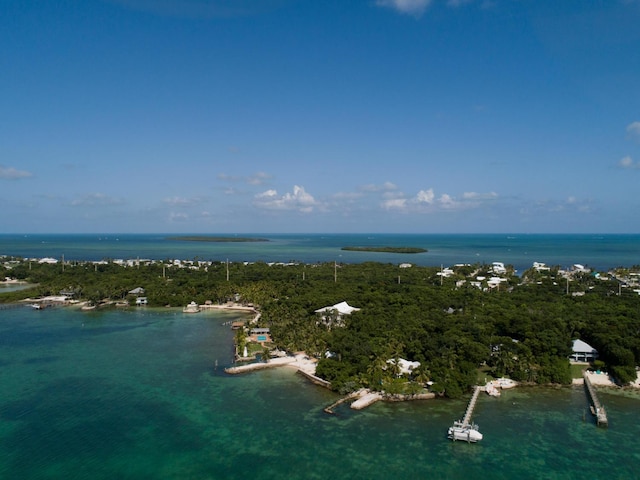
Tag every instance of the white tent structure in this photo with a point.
(342, 308)
(335, 312)
(583, 352)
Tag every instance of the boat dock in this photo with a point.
(464, 429)
(597, 409)
(472, 404)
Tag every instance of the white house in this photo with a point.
(498, 268)
(48, 260)
(583, 352)
(335, 312)
(539, 266)
(404, 366)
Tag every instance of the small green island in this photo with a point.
(204, 238)
(386, 249)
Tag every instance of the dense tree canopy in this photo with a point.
(522, 329)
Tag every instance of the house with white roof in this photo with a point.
(334, 313)
(405, 367)
(583, 352)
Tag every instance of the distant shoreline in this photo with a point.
(386, 249)
(204, 238)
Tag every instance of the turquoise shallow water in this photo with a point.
(596, 251)
(137, 394)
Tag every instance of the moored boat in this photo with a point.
(467, 432)
(193, 307)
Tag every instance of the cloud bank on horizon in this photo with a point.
(284, 116)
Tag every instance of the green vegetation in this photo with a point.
(217, 239)
(386, 249)
(522, 329)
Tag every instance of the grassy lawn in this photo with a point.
(484, 375)
(253, 348)
(576, 370)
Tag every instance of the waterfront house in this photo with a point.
(141, 301)
(404, 367)
(260, 335)
(583, 352)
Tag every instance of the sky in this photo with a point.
(320, 116)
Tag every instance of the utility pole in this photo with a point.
(335, 272)
(227, 269)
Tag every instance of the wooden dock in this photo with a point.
(597, 409)
(472, 404)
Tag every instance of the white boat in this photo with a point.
(191, 308)
(467, 432)
(506, 383)
(492, 389)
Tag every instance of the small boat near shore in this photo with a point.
(193, 307)
(467, 432)
(492, 390)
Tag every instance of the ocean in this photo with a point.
(142, 393)
(598, 251)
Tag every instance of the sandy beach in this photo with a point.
(603, 379)
(299, 361)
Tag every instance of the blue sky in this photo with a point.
(239, 116)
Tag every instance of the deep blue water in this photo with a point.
(142, 394)
(597, 251)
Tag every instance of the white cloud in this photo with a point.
(96, 199)
(178, 217)
(633, 130)
(372, 188)
(181, 202)
(425, 201)
(10, 173)
(259, 178)
(570, 205)
(425, 196)
(298, 200)
(479, 196)
(395, 204)
(628, 163)
(408, 7)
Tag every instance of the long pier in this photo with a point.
(472, 404)
(597, 408)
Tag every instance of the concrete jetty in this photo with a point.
(597, 409)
